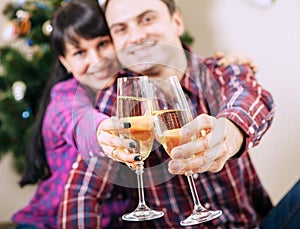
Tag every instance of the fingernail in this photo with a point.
(126, 125)
(132, 145)
(138, 158)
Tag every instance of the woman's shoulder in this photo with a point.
(65, 87)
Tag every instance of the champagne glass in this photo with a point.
(171, 112)
(134, 107)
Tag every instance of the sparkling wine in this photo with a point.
(136, 111)
(170, 139)
(168, 128)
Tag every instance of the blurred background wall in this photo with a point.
(270, 36)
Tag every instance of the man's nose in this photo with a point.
(137, 34)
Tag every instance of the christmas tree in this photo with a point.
(25, 65)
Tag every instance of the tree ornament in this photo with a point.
(19, 89)
(23, 18)
(29, 42)
(27, 113)
(47, 28)
(10, 30)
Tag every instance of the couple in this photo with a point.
(143, 32)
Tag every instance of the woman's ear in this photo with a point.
(64, 62)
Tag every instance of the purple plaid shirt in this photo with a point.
(91, 200)
(69, 104)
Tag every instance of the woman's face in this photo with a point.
(92, 62)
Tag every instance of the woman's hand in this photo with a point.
(236, 57)
(115, 147)
(214, 142)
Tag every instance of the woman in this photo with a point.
(80, 37)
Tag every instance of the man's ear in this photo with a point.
(178, 22)
(64, 62)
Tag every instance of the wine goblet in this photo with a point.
(134, 107)
(171, 111)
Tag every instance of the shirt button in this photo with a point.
(120, 219)
(250, 145)
(207, 205)
(75, 165)
(251, 130)
(108, 195)
(120, 197)
(195, 176)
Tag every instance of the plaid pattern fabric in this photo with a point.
(231, 92)
(70, 104)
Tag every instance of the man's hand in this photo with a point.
(213, 142)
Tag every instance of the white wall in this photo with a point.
(270, 36)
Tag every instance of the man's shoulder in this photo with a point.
(209, 62)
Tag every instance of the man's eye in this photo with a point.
(118, 30)
(147, 19)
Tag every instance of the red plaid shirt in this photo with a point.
(91, 200)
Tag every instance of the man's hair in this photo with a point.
(169, 3)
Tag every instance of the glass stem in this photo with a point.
(197, 204)
(139, 172)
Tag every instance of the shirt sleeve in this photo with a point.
(86, 119)
(244, 101)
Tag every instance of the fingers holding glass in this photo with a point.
(202, 153)
(118, 148)
(211, 160)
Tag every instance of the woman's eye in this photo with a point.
(104, 43)
(78, 53)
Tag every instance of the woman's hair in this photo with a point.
(77, 19)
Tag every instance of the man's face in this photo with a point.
(145, 35)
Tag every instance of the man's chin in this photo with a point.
(144, 69)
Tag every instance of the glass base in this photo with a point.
(200, 217)
(142, 214)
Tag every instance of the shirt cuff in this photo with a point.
(245, 123)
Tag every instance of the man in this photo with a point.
(147, 39)
(146, 35)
